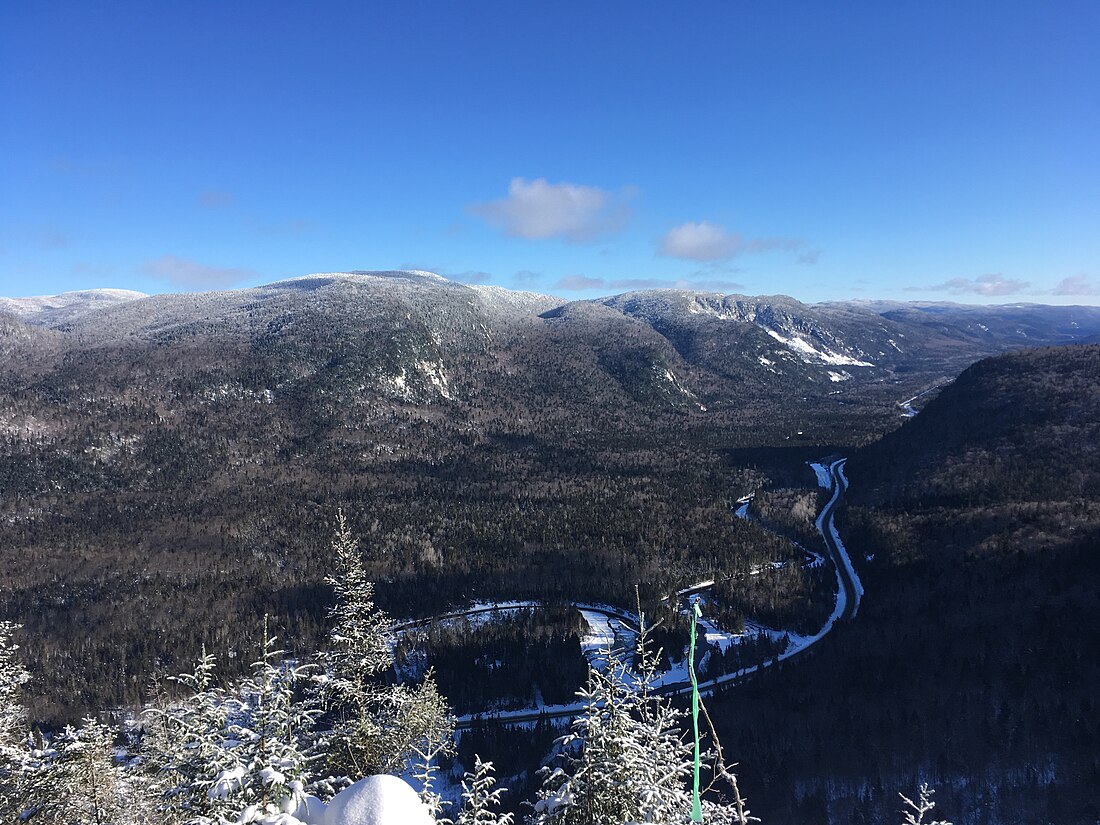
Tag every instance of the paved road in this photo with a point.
(850, 586)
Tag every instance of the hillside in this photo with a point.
(1016, 428)
(973, 661)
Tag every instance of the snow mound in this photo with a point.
(310, 811)
(377, 800)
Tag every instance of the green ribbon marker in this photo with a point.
(696, 806)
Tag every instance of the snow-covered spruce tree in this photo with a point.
(13, 725)
(79, 780)
(185, 741)
(376, 726)
(625, 759)
(235, 757)
(480, 800)
(916, 811)
(86, 778)
(273, 725)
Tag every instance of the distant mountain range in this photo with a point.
(414, 337)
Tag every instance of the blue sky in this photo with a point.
(907, 150)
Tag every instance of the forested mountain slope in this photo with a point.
(1021, 427)
(974, 659)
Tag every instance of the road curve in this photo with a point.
(849, 594)
(848, 581)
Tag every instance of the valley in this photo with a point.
(172, 465)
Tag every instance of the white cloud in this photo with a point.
(537, 209)
(990, 285)
(194, 275)
(705, 241)
(1077, 285)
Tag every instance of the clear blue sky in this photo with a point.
(909, 150)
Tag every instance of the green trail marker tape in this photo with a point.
(696, 806)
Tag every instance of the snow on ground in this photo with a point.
(840, 471)
(476, 615)
(42, 304)
(691, 588)
(811, 354)
(824, 478)
(743, 510)
(601, 631)
(847, 559)
(813, 558)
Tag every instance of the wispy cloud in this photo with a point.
(1077, 285)
(705, 241)
(579, 283)
(470, 276)
(217, 199)
(193, 275)
(585, 283)
(989, 285)
(526, 277)
(538, 209)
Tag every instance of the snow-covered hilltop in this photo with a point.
(53, 310)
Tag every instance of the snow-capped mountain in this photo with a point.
(415, 337)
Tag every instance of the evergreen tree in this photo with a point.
(480, 799)
(377, 726)
(276, 747)
(86, 779)
(13, 724)
(625, 759)
(79, 780)
(916, 811)
(236, 758)
(185, 741)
